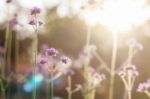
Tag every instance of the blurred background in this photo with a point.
(67, 33)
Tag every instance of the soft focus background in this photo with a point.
(68, 34)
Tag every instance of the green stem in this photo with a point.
(113, 65)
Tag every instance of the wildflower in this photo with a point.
(43, 60)
(8, 1)
(121, 73)
(35, 10)
(51, 52)
(128, 74)
(95, 78)
(13, 23)
(65, 59)
(143, 87)
(89, 49)
(40, 23)
(128, 69)
(33, 22)
(134, 44)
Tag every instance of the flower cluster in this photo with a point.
(51, 61)
(35, 11)
(94, 78)
(34, 21)
(128, 69)
(87, 52)
(128, 74)
(134, 44)
(144, 86)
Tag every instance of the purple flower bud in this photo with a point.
(32, 22)
(51, 52)
(8, 1)
(43, 60)
(143, 87)
(13, 23)
(89, 49)
(135, 73)
(129, 67)
(132, 42)
(35, 10)
(40, 23)
(65, 59)
(122, 73)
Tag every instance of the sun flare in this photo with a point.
(120, 15)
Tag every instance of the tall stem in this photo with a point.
(88, 37)
(9, 52)
(129, 94)
(113, 65)
(87, 61)
(52, 86)
(147, 93)
(6, 48)
(47, 90)
(35, 47)
(17, 52)
(69, 88)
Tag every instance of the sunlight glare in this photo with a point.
(122, 15)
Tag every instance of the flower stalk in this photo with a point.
(113, 65)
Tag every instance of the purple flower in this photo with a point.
(40, 23)
(8, 1)
(51, 52)
(65, 59)
(35, 10)
(143, 87)
(33, 22)
(129, 67)
(122, 73)
(13, 23)
(89, 49)
(133, 43)
(43, 60)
